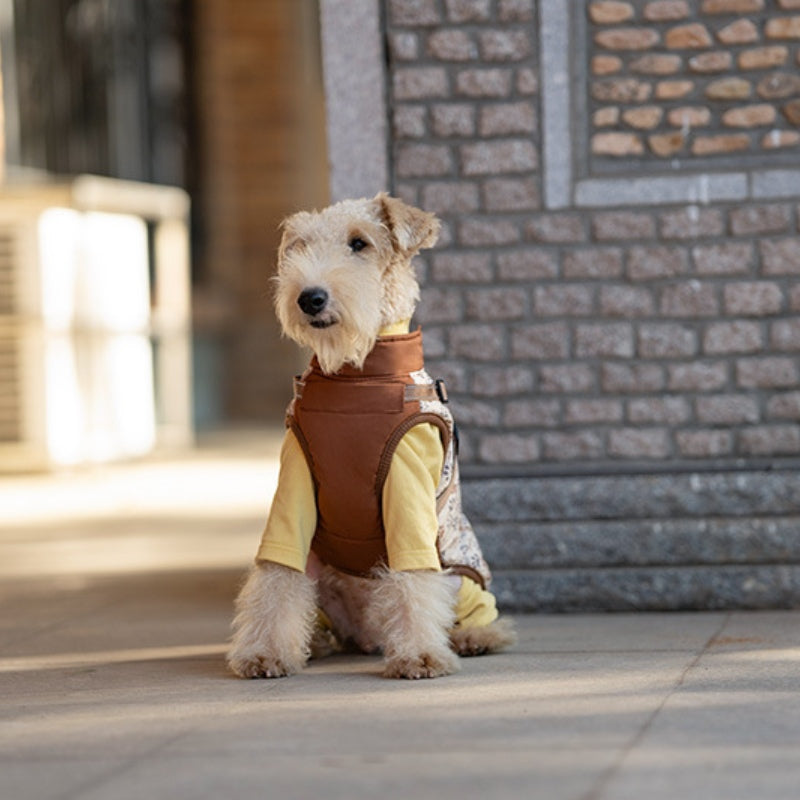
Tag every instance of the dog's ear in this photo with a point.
(411, 228)
(291, 237)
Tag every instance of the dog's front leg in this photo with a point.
(275, 615)
(415, 611)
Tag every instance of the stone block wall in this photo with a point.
(674, 79)
(614, 299)
(664, 332)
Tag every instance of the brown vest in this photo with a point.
(349, 425)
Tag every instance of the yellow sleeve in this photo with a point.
(292, 518)
(409, 500)
(475, 607)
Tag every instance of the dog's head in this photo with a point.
(345, 272)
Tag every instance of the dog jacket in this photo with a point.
(348, 426)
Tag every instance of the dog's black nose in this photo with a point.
(312, 301)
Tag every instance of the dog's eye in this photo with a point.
(357, 244)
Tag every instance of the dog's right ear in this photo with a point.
(291, 237)
(412, 228)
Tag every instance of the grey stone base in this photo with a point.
(715, 540)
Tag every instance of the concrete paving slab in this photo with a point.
(113, 623)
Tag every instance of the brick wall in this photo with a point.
(678, 79)
(663, 333)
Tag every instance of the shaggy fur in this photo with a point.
(355, 258)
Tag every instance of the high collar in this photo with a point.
(392, 355)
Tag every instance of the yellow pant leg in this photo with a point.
(475, 607)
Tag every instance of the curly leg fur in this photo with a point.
(274, 622)
(415, 611)
(485, 639)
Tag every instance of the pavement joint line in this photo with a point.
(598, 790)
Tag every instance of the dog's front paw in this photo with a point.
(255, 665)
(425, 665)
(485, 639)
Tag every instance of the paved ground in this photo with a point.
(115, 595)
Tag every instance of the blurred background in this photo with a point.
(150, 150)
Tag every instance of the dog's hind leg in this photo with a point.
(275, 616)
(415, 610)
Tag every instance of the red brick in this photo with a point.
(627, 38)
(766, 372)
(760, 219)
(566, 379)
(667, 410)
(563, 300)
(763, 57)
(691, 223)
(505, 119)
(693, 299)
(731, 6)
(540, 341)
(488, 305)
(666, 340)
(785, 334)
(462, 267)
(666, 10)
(439, 305)
(414, 12)
(593, 263)
(639, 443)
(423, 160)
(623, 225)
(717, 61)
(779, 85)
(730, 409)
(516, 11)
(621, 90)
(484, 82)
(477, 342)
(753, 298)
(692, 36)
(739, 336)
(484, 231)
(742, 31)
(450, 197)
(770, 440)
(502, 381)
(505, 45)
(632, 378)
(698, 376)
(590, 412)
(784, 405)
(657, 64)
(724, 259)
(469, 10)
(526, 265)
(610, 12)
(578, 446)
(508, 448)
(749, 116)
(783, 28)
(556, 228)
(538, 413)
(511, 194)
(451, 45)
(477, 413)
(725, 143)
(652, 263)
(617, 144)
(491, 158)
(612, 339)
(625, 301)
(704, 443)
(417, 83)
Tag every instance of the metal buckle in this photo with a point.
(441, 390)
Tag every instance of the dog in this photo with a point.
(365, 545)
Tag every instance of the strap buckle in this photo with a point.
(441, 390)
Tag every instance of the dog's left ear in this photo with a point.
(412, 229)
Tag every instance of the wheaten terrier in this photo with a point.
(365, 544)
